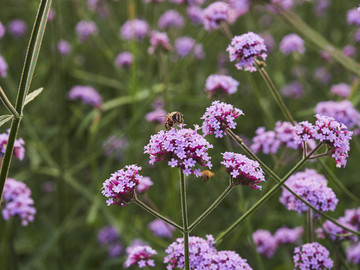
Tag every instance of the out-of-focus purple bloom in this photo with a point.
(17, 201)
(48, 186)
(134, 29)
(19, 150)
(195, 14)
(188, 2)
(292, 43)
(51, 15)
(293, 90)
(214, 15)
(114, 146)
(349, 50)
(243, 171)
(64, 47)
(325, 55)
(357, 35)
(265, 243)
(268, 41)
(87, 94)
(321, 7)
(85, 29)
(158, 115)
(120, 187)
(2, 30)
(217, 84)
(278, 5)
(141, 256)
(245, 49)
(17, 28)
(353, 17)
(312, 187)
(3, 67)
(352, 216)
(182, 148)
(218, 117)
(171, 18)
(99, 6)
(144, 185)
(161, 228)
(115, 250)
(353, 254)
(341, 90)
(285, 235)
(225, 259)
(159, 40)
(187, 45)
(334, 231)
(107, 235)
(322, 75)
(237, 8)
(312, 256)
(153, 1)
(135, 243)
(124, 60)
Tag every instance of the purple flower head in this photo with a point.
(245, 49)
(265, 243)
(3, 67)
(312, 187)
(48, 186)
(352, 216)
(288, 236)
(51, 15)
(182, 148)
(349, 50)
(312, 256)
(187, 45)
(144, 185)
(17, 28)
(124, 60)
(335, 232)
(353, 17)
(214, 15)
(2, 30)
(161, 228)
(114, 146)
(107, 235)
(141, 256)
(158, 115)
(321, 6)
(268, 41)
(353, 254)
(195, 14)
(237, 8)
(278, 5)
(171, 18)
(134, 29)
(322, 75)
(198, 248)
(17, 201)
(341, 90)
(218, 117)
(115, 250)
(85, 29)
(63, 47)
(243, 170)
(99, 6)
(87, 94)
(292, 43)
(293, 90)
(120, 187)
(160, 41)
(225, 259)
(19, 150)
(136, 242)
(217, 84)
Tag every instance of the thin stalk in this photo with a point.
(319, 155)
(226, 30)
(211, 207)
(184, 216)
(309, 226)
(156, 214)
(8, 104)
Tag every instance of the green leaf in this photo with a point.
(5, 118)
(32, 95)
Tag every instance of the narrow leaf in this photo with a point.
(32, 95)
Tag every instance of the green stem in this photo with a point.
(8, 104)
(310, 226)
(184, 215)
(156, 214)
(211, 207)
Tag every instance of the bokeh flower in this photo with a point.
(134, 29)
(338, 233)
(214, 15)
(140, 256)
(19, 149)
(161, 228)
(109, 238)
(341, 90)
(115, 146)
(286, 235)
(353, 254)
(85, 29)
(195, 14)
(265, 243)
(312, 256)
(3, 67)
(63, 47)
(124, 59)
(87, 94)
(293, 90)
(171, 18)
(17, 28)
(353, 17)
(187, 45)
(2, 30)
(217, 84)
(292, 43)
(159, 41)
(144, 185)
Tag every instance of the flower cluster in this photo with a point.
(159, 40)
(134, 29)
(124, 59)
(171, 18)
(245, 49)
(161, 228)
(353, 17)
(87, 94)
(183, 148)
(120, 187)
(292, 43)
(203, 255)
(214, 14)
(312, 187)
(3, 67)
(243, 170)
(63, 47)
(286, 235)
(341, 90)
(109, 237)
(312, 256)
(327, 130)
(19, 150)
(218, 117)
(141, 256)
(195, 14)
(17, 201)
(220, 83)
(85, 29)
(353, 254)
(187, 45)
(17, 28)
(293, 90)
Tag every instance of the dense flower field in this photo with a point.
(179, 134)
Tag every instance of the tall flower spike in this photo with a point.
(120, 187)
(245, 49)
(243, 170)
(218, 117)
(312, 256)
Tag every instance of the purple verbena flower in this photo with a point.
(353, 17)
(161, 228)
(19, 150)
(158, 115)
(349, 50)
(2, 30)
(17, 201)
(51, 15)
(63, 47)
(312, 187)
(107, 235)
(17, 28)
(352, 216)
(141, 256)
(292, 43)
(195, 14)
(321, 74)
(337, 233)
(144, 185)
(3, 67)
(124, 60)
(187, 45)
(214, 15)
(217, 84)
(237, 8)
(268, 41)
(120, 187)
(171, 18)
(293, 90)
(218, 117)
(265, 243)
(243, 170)
(341, 90)
(225, 259)
(182, 148)
(277, 5)
(245, 49)
(285, 235)
(160, 41)
(321, 7)
(312, 256)
(353, 254)
(87, 94)
(85, 29)
(114, 146)
(134, 29)
(114, 250)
